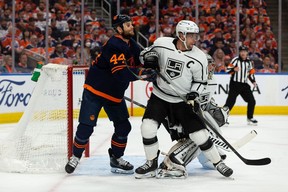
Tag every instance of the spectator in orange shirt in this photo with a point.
(7, 67)
(26, 35)
(266, 66)
(6, 43)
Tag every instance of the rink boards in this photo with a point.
(271, 95)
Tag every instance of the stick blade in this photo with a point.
(264, 161)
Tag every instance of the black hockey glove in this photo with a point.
(193, 100)
(148, 74)
(151, 60)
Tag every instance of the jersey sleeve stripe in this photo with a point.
(114, 69)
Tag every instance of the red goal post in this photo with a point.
(70, 109)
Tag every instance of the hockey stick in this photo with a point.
(135, 102)
(139, 77)
(263, 161)
(237, 145)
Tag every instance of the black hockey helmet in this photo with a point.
(118, 20)
(243, 48)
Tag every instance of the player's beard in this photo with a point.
(127, 35)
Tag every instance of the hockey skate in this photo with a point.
(72, 164)
(147, 170)
(119, 165)
(224, 169)
(252, 121)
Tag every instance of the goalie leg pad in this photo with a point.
(183, 152)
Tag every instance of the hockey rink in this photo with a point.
(93, 174)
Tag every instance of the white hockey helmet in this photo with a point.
(186, 26)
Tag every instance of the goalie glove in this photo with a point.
(193, 100)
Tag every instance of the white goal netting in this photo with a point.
(38, 143)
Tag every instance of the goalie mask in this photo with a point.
(186, 26)
(211, 66)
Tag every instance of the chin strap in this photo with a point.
(184, 42)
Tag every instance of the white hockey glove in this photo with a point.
(193, 100)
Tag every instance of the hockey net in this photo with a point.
(42, 140)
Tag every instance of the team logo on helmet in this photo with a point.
(174, 68)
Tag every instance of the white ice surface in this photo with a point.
(93, 174)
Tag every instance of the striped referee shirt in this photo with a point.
(246, 70)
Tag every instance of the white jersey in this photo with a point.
(188, 70)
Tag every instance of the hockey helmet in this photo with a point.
(243, 48)
(211, 66)
(186, 26)
(118, 20)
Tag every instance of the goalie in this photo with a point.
(185, 150)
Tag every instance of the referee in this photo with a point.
(241, 69)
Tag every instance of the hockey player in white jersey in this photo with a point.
(185, 150)
(187, 67)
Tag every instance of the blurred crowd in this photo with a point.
(64, 34)
(217, 22)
